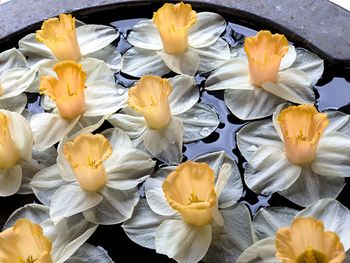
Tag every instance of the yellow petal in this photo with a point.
(59, 35)
(9, 153)
(307, 242)
(302, 127)
(149, 97)
(68, 90)
(25, 242)
(173, 22)
(265, 52)
(190, 190)
(86, 155)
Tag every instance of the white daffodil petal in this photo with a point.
(233, 189)
(292, 85)
(269, 170)
(310, 187)
(183, 95)
(96, 70)
(233, 74)
(268, 220)
(199, 122)
(11, 58)
(49, 128)
(310, 63)
(69, 200)
(333, 155)
(262, 251)
(289, 58)
(207, 30)
(46, 182)
(183, 242)
(47, 103)
(17, 103)
(116, 206)
(87, 124)
(334, 215)
(142, 226)
(94, 37)
(251, 104)
(255, 134)
(154, 192)
(338, 121)
(213, 56)
(16, 81)
(139, 62)
(275, 119)
(110, 55)
(186, 63)
(29, 46)
(236, 235)
(88, 253)
(64, 168)
(117, 139)
(10, 180)
(166, 144)
(133, 126)
(101, 97)
(145, 35)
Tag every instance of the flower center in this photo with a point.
(302, 127)
(86, 155)
(59, 35)
(9, 153)
(311, 255)
(30, 260)
(173, 22)
(149, 97)
(68, 90)
(265, 52)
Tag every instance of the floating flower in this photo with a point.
(30, 236)
(304, 155)
(176, 39)
(163, 113)
(268, 73)
(319, 233)
(191, 212)
(96, 175)
(75, 96)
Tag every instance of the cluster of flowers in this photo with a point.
(192, 210)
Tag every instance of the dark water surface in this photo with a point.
(333, 91)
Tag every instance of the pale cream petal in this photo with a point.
(64, 168)
(11, 58)
(16, 103)
(29, 46)
(96, 70)
(275, 115)
(133, 126)
(262, 251)
(145, 35)
(338, 121)
(110, 55)
(15, 81)
(289, 58)
(10, 180)
(89, 253)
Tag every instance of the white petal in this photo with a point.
(10, 180)
(213, 56)
(334, 215)
(49, 128)
(186, 63)
(268, 220)
(101, 97)
(310, 63)
(255, 134)
(288, 58)
(96, 70)
(64, 168)
(30, 47)
(88, 124)
(269, 170)
(183, 242)
(166, 144)
(95, 37)
(183, 95)
(333, 155)
(236, 235)
(142, 226)
(11, 58)
(16, 81)
(292, 85)
(207, 30)
(116, 206)
(251, 104)
(138, 62)
(262, 251)
(69, 200)
(145, 35)
(338, 121)
(133, 126)
(233, 74)
(199, 122)
(88, 253)
(17, 103)
(275, 119)
(118, 139)
(110, 55)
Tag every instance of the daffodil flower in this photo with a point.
(75, 96)
(30, 235)
(302, 154)
(164, 113)
(177, 39)
(96, 175)
(319, 233)
(191, 212)
(268, 73)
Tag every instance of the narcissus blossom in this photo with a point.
(266, 74)
(177, 39)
